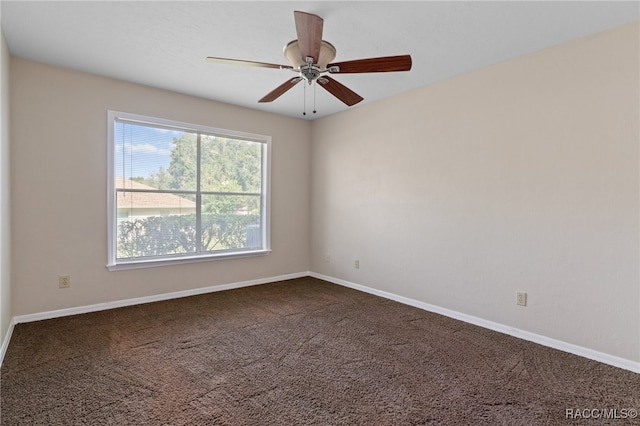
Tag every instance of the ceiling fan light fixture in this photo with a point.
(294, 56)
(327, 54)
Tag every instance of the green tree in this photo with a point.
(183, 166)
(226, 165)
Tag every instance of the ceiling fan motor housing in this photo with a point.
(310, 73)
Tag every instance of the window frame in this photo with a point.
(113, 264)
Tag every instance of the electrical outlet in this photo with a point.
(521, 299)
(356, 264)
(64, 281)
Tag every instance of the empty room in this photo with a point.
(319, 213)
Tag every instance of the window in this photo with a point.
(182, 192)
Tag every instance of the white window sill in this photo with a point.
(151, 263)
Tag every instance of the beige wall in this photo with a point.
(59, 189)
(5, 224)
(519, 177)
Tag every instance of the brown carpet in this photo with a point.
(298, 352)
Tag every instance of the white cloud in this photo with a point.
(174, 133)
(143, 148)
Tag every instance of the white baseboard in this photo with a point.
(147, 299)
(5, 341)
(525, 335)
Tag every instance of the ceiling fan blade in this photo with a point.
(309, 30)
(382, 64)
(248, 63)
(280, 90)
(339, 90)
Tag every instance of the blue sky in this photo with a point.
(141, 150)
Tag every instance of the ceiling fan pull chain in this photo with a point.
(304, 99)
(314, 96)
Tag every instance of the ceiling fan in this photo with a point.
(311, 57)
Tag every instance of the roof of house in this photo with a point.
(148, 200)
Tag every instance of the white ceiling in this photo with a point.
(164, 44)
